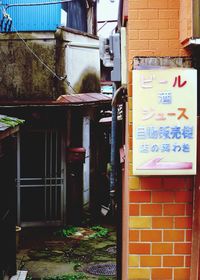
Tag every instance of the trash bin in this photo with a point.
(76, 155)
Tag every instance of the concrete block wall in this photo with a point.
(160, 207)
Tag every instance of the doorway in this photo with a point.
(40, 177)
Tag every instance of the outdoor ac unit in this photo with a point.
(110, 53)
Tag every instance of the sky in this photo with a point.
(107, 10)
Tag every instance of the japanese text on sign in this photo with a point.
(164, 121)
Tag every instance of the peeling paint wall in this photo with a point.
(82, 63)
(88, 81)
(23, 76)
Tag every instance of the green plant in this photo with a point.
(77, 276)
(77, 266)
(99, 232)
(67, 231)
(10, 121)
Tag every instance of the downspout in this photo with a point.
(113, 173)
(117, 93)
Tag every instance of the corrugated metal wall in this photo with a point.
(34, 18)
(77, 15)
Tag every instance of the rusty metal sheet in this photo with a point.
(83, 98)
(9, 131)
(99, 96)
(69, 98)
(80, 99)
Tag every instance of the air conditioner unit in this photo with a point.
(110, 53)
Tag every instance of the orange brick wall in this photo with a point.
(160, 208)
(160, 221)
(185, 20)
(154, 28)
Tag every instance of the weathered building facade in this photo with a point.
(53, 59)
(44, 58)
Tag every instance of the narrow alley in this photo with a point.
(71, 253)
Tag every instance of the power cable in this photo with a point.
(35, 4)
(60, 78)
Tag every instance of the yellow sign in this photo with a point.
(164, 121)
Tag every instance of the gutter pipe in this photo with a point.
(113, 153)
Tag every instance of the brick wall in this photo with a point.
(154, 28)
(185, 20)
(160, 208)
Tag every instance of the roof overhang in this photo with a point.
(9, 125)
(8, 132)
(76, 100)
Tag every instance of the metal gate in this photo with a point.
(41, 171)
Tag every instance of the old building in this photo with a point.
(50, 76)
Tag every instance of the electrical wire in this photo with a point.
(60, 78)
(36, 4)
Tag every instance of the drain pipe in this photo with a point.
(113, 153)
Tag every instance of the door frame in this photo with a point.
(60, 181)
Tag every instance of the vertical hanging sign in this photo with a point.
(164, 121)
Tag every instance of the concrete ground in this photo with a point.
(44, 252)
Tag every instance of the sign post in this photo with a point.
(164, 121)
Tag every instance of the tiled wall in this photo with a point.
(160, 208)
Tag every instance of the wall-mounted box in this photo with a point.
(75, 155)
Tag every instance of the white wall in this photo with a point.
(81, 56)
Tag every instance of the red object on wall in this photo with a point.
(76, 154)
